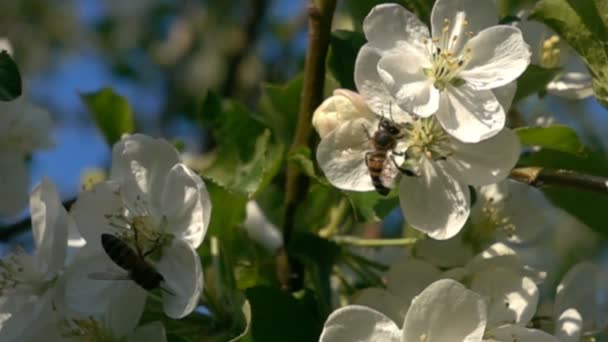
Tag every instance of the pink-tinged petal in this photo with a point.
(50, 224)
(343, 106)
(479, 15)
(387, 24)
(470, 115)
(181, 269)
(498, 56)
(372, 87)
(359, 323)
(14, 180)
(94, 210)
(445, 311)
(488, 161)
(437, 202)
(186, 205)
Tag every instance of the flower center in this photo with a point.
(494, 219)
(550, 52)
(446, 55)
(135, 225)
(19, 274)
(426, 138)
(87, 330)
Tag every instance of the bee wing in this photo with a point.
(389, 173)
(109, 275)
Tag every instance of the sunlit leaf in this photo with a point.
(555, 137)
(534, 80)
(111, 112)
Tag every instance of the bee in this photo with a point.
(384, 140)
(131, 260)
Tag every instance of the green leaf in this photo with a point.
(534, 80)
(345, 46)
(10, 79)
(555, 137)
(371, 206)
(278, 108)
(582, 27)
(277, 316)
(588, 207)
(246, 158)
(111, 112)
(302, 158)
(511, 7)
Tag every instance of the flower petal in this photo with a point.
(14, 180)
(399, 280)
(151, 332)
(512, 297)
(384, 302)
(498, 56)
(387, 24)
(569, 325)
(470, 115)
(359, 323)
(488, 161)
(571, 85)
(92, 211)
(25, 324)
(505, 95)
(124, 310)
(444, 253)
(181, 269)
(50, 224)
(402, 70)
(186, 205)
(436, 202)
(341, 155)
(445, 311)
(372, 87)
(479, 14)
(144, 160)
(519, 334)
(344, 105)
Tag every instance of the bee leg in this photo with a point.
(367, 154)
(369, 136)
(136, 242)
(402, 169)
(153, 249)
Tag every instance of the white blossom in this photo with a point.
(27, 282)
(24, 128)
(260, 229)
(454, 74)
(158, 206)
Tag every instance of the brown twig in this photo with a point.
(539, 176)
(320, 14)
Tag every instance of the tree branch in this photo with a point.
(320, 14)
(539, 176)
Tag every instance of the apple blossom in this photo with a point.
(27, 282)
(453, 74)
(158, 206)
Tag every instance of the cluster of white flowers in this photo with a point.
(152, 203)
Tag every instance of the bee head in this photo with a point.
(389, 126)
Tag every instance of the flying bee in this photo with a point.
(383, 141)
(131, 260)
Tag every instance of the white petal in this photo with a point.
(5, 45)
(183, 279)
(569, 325)
(498, 56)
(585, 288)
(14, 180)
(25, 324)
(151, 332)
(505, 95)
(479, 14)
(359, 324)
(145, 160)
(92, 209)
(372, 87)
(260, 229)
(341, 155)
(571, 85)
(518, 333)
(488, 161)
(186, 205)
(444, 253)
(402, 71)
(344, 105)
(50, 224)
(436, 202)
(512, 298)
(470, 115)
(124, 310)
(445, 311)
(387, 24)
(384, 302)
(409, 277)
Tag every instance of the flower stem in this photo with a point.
(320, 14)
(540, 176)
(362, 242)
